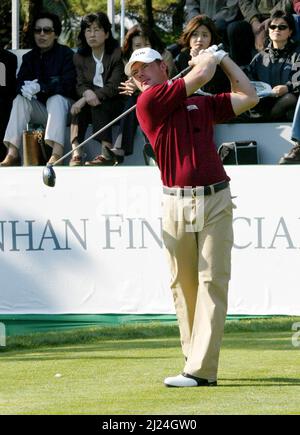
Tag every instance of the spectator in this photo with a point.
(138, 36)
(227, 18)
(257, 14)
(45, 84)
(222, 12)
(100, 70)
(279, 66)
(199, 34)
(8, 69)
(253, 28)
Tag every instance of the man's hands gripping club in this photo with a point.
(204, 67)
(214, 50)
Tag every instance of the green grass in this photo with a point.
(120, 371)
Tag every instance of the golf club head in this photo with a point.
(49, 176)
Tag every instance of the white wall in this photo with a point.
(92, 244)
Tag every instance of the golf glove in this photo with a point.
(218, 54)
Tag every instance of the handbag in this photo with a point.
(34, 147)
(239, 153)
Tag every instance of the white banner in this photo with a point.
(92, 244)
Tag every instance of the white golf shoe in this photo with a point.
(186, 380)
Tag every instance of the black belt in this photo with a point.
(196, 191)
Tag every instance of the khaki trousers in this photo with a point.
(53, 116)
(200, 263)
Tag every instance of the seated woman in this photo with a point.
(100, 70)
(138, 36)
(45, 86)
(278, 65)
(199, 34)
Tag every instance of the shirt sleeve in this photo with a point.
(222, 108)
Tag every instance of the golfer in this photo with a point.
(197, 206)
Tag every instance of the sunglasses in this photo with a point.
(279, 27)
(45, 30)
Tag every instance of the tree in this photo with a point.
(149, 18)
(5, 23)
(166, 16)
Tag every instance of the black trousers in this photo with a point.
(99, 117)
(241, 42)
(127, 129)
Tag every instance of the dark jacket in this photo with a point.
(263, 8)
(227, 10)
(8, 75)
(218, 84)
(112, 76)
(277, 67)
(54, 70)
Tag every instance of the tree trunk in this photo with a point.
(178, 17)
(149, 13)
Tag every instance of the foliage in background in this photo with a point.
(5, 23)
(166, 16)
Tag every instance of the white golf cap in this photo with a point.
(144, 55)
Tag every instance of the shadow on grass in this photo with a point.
(259, 340)
(105, 350)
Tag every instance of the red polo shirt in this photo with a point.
(180, 130)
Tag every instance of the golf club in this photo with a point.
(48, 172)
(49, 176)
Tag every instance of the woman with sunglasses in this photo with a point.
(45, 86)
(279, 66)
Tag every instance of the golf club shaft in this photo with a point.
(181, 74)
(96, 134)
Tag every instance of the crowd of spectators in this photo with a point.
(55, 86)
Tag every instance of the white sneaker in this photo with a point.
(186, 380)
